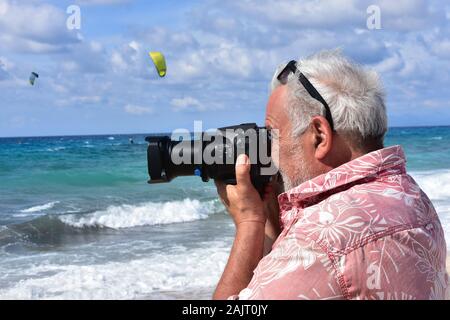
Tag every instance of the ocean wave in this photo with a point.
(177, 271)
(40, 207)
(61, 174)
(50, 230)
(150, 213)
(55, 149)
(46, 230)
(436, 184)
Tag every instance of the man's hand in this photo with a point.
(249, 213)
(244, 203)
(242, 200)
(272, 212)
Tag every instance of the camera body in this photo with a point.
(212, 155)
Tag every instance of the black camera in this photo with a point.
(212, 155)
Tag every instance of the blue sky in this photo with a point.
(220, 54)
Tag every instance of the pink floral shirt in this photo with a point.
(364, 230)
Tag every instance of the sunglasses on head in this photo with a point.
(283, 78)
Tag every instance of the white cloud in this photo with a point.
(102, 2)
(34, 27)
(390, 64)
(309, 13)
(59, 88)
(274, 22)
(5, 65)
(219, 61)
(21, 121)
(86, 58)
(442, 48)
(3, 74)
(132, 59)
(436, 103)
(118, 62)
(186, 103)
(4, 6)
(77, 100)
(137, 110)
(163, 39)
(87, 99)
(409, 15)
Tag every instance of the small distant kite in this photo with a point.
(33, 77)
(160, 62)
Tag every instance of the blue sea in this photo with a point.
(79, 221)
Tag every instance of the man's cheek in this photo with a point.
(283, 157)
(275, 153)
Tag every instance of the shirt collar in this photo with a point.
(373, 165)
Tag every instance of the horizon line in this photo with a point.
(123, 134)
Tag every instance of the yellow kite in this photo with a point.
(160, 62)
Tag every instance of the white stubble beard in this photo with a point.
(301, 174)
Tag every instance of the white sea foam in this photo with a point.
(177, 271)
(55, 149)
(436, 184)
(150, 213)
(111, 138)
(40, 207)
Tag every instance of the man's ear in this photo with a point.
(322, 135)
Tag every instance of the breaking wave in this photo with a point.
(150, 213)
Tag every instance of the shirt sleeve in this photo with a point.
(297, 268)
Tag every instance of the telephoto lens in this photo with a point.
(212, 155)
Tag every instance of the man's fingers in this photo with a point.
(219, 184)
(222, 191)
(268, 192)
(221, 187)
(243, 170)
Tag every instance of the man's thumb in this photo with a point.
(243, 170)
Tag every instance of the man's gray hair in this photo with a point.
(354, 94)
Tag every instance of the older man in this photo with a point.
(354, 224)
